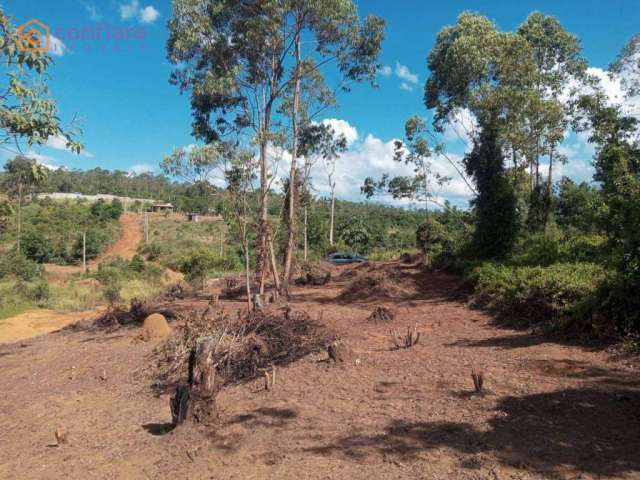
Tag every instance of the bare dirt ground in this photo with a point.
(549, 411)
(37, 322)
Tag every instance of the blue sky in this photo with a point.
(131, 117)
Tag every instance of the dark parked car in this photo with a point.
(345, 258)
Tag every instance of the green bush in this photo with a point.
(38, 291)
(151, 251)
(104, 211)
(117, 270)
(137, 264)
(555, 295)
(17, 265)
(614, 310)
(36, 247)
(95, 242)
(198, 265)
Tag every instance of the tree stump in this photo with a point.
(195, 401)
(338, 351)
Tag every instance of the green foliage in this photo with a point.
(580, 206)
(27, 113)
(95, 242)
(23, 174)
(117, 270)
(103, 211)
(35, 247)
(554, 295)
(112, 295)
(355, 234)
(172, 242)
(433, 239)
(138, 264)
(495, 204)
(52, 231)
(197, 165)
(15, 264)
(200, 264)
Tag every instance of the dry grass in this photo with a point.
(381, 314)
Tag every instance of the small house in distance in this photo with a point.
(193, 217)
(162, 207)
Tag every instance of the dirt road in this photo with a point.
(550, 410)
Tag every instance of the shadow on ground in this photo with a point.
(589, 429)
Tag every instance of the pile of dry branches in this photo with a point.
(242, 345)
(375, 284)
(312, 274)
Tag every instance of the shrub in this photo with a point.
(137, 264)
(36, 247)
(112, 295)
(95, 243)
(15, 264)
(104, 211)
(199, 264)
(38, 292)
(151, 251)
(554, 294)
(614, 310)
(112, 271)
(117, 270)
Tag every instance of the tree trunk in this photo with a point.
(274, 265)
(19, 215)
(306, 236)
(195, 401)
(263, 224)
(247, 269)
(550, 177)
(333, 210)
(291, 234)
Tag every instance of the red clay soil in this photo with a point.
(549, 410)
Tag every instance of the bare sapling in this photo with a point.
(407, 340)
(478, 380)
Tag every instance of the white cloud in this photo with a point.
(403, 73)
(373, 157)
(342, 127)
(140, 169)
(149, 14)
(385, 70)
(44, 160)
(132, 10)
(406, 87)
(93, 12)
(129, 11)
(59, 142)
(56, 46)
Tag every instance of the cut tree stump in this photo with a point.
(195, 401)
